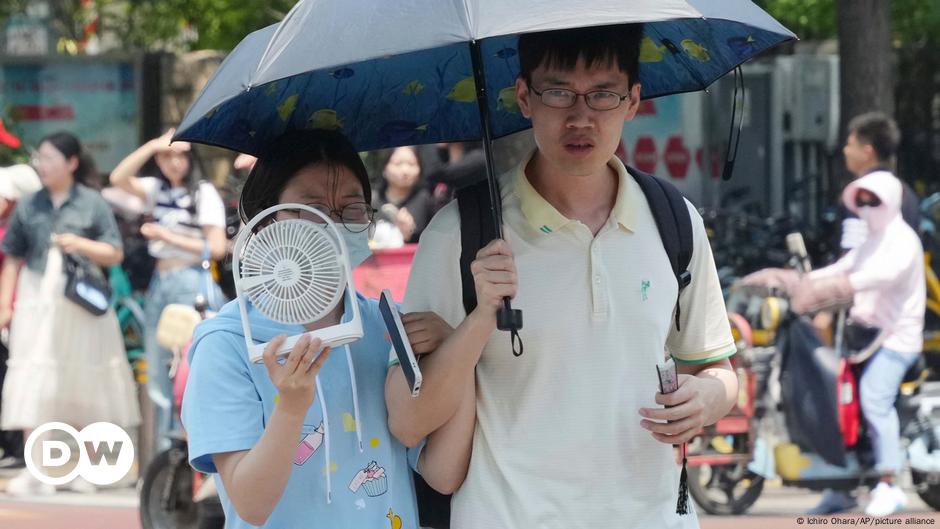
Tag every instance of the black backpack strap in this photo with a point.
(476, 231)
(674, 224)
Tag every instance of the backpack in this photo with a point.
(477, 230)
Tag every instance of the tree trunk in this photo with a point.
(866, 69)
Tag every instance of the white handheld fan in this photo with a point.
(295, 271)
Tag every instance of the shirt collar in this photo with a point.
(47, 196)
(542, 216)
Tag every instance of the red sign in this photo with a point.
(677, 157)
(644, 154)
(387, 268)
(647, 108)
(43, 112)
(621, 153)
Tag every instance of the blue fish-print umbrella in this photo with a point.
(425, 71)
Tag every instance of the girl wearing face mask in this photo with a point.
(188, 229)
(401, 201)
(291, 448)
(66, 364)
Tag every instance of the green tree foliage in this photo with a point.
(177, 25)
(915, 21)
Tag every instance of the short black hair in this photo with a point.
(618, 44)
(70, 146)
(290, 152)
(879, 131)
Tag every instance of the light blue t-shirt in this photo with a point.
(229, 400)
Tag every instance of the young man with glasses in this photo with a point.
(572, 433)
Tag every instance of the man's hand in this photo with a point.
(686, 415)
(70, 243)
(426, 331)
(494, 277)
(6, 316)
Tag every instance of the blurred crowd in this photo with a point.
(157, 223)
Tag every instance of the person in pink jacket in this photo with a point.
(884, 276)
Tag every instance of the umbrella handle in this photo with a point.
(510, 319)
(507, 318)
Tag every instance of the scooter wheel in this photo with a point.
(928, 488)
(166, 504)
(724, 489)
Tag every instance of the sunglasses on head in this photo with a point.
(867, 199)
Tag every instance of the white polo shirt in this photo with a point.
(558, 441)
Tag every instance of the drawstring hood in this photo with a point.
(264, 330)
(887, 188)
(326, 441)
(355, 397)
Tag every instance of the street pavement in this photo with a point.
(116, 508)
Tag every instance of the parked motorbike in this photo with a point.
(172, 494)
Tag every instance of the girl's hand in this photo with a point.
(296, 379)
(153, 231)
(70, 243)
(426, 331)
(162, 144)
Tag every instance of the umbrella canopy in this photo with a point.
(402, 73)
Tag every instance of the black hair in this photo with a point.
(67, 144)
(387, 157)
(600, 45)
(152, 168)
(291, 152)
(879, 131)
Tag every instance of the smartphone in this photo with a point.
(400, 343)
(668, 376)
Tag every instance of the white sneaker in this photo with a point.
(886, 500)
(24, 484)
(82, 486)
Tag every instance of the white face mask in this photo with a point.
(357, 244)
(865, 213)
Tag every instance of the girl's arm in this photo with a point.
(100, 252)
(446, 457)
(11, 268)
(124, 176)
(214, 235)
(255, 479)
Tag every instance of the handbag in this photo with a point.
(86, 285)
(858, 336)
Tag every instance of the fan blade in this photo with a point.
(249, 283)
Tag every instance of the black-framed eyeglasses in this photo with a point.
(564, 98)
(356, 217)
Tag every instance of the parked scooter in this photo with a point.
(172, 494)
(803, 414)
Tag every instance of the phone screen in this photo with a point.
(399, 340)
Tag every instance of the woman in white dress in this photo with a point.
(66, 364)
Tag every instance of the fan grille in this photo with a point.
(292, 271)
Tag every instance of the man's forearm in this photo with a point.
(720, 388)
(445, 374)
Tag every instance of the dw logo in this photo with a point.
(106, 453)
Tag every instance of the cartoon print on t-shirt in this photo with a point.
(309, 445)
(394, 519)
(372, 479)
